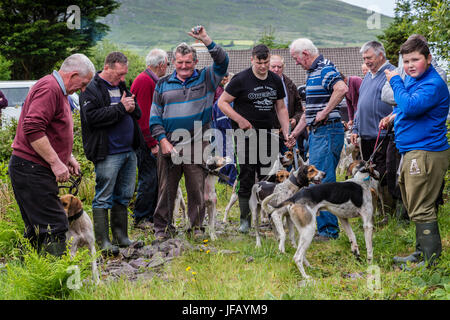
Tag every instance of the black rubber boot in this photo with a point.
(119, 225)
(429, 240)
(55, 245)
(245, 214)
(414, 257)
(101, 229)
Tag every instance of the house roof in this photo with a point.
(348, 60)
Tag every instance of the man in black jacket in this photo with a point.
(111, 135)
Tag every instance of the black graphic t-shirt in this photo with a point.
(256, 98)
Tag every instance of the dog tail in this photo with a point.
(284, 203)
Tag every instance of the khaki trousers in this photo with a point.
(421, 177)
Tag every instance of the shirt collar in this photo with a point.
(153, 75)
(194, 74)
(60, 81)
(316, 62)
(379, 69)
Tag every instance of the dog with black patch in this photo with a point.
(346, 200)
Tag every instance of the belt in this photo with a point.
(323, 123)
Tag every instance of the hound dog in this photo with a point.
(348, 199)
(213, 165)
(283, 161)
(349, 154)
(298, 179)
(81, 232)
(377, 193)
(180, 204)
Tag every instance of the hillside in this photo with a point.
(143, 24)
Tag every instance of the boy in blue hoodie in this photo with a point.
(420, 135)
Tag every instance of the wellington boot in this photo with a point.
(245, 214)
(101, 229)
(414, 257)
(56, 249)
(119, 225)
(430, 241)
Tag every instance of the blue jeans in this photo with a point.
(325, 145)
(115, 180)
(147, 190)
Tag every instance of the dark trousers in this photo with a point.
(169, 176)
(379, 159)
(249, 173)
(393, 158)
(147, 190)
(36, 193)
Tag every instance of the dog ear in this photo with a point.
(75, 206)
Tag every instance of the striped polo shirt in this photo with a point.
(321, 77)
(178, 105)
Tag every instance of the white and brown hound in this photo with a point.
(298, 179)
(81, 231)
(348, 199)
(275, 175)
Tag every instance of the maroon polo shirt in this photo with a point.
(45, 112)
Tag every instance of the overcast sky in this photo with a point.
(385, 6)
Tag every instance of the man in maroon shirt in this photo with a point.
(351, 97)
(3, 104)
(143, 87)
(42, 153)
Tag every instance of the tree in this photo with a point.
(430, 18)
(136, 63)
(398, 31)
(5, 73)
(35, 35)
(433, 21)
(268, 38)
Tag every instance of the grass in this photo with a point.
(252, 273)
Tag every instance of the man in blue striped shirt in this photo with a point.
(325, 89)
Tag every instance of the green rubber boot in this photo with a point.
(119, 225)
(430, 241)
(101, 230)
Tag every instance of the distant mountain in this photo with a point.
(142, 24)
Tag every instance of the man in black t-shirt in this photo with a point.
(257, 95)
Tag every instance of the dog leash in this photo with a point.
(75, 183)
(377, 146)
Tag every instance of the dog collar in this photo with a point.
(293, 180)
(366, 179)
(75, 216)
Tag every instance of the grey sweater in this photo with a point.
(370, 107)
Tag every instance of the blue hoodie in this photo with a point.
(421, 112)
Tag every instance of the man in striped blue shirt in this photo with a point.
(325, 89)
(183, 101)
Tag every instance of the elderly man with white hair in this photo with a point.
(371, 109)
(143, 87)
(325, 89)
(42, 153)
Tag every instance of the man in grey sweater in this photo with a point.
(371, 109)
